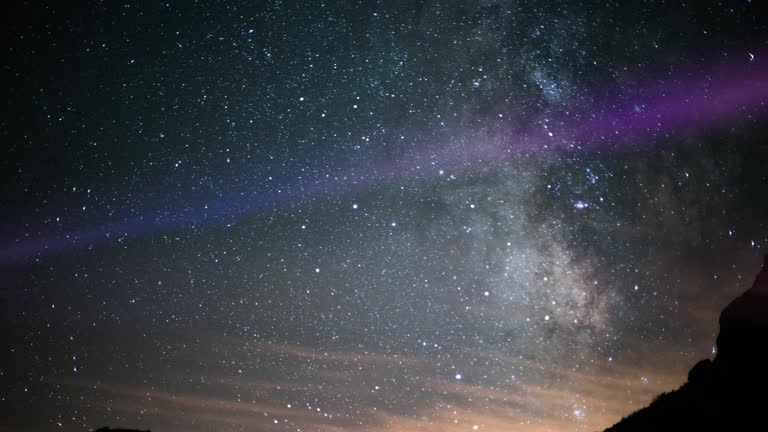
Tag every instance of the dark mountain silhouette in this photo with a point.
(729, 392)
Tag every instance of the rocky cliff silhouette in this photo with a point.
(729, 392)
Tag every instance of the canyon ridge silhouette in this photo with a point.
(727, 393)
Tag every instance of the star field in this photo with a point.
(367, 215)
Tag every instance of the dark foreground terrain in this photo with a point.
(729, 392)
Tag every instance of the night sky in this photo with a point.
(372, 215)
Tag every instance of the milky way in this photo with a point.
(379, 216)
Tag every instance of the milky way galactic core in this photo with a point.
(372, 216)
